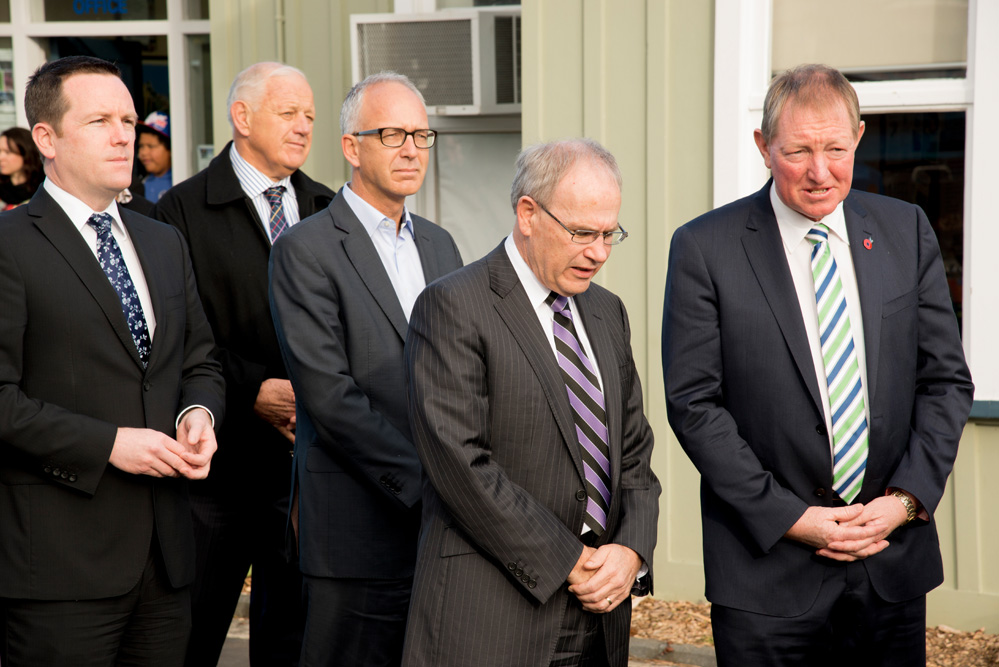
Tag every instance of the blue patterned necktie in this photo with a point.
(588, 413)
(277, 223)
(846, 394)
(109, 256)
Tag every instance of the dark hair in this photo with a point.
(43, 98)
(143, 129)
(817, 85)
(19, 141)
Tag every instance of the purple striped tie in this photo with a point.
(277, 222)
(587, 402)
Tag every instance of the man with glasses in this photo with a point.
(539, 519)
(343, 284)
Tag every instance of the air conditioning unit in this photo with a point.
(466, 62)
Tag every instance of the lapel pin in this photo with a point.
(868, 243)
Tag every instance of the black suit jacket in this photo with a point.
(230, 251)
(505, 493)
(73, 526)
(743, 399)
(341, 330)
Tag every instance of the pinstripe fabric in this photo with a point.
(504, 498)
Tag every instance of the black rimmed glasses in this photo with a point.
(588, 236)
(394, 137)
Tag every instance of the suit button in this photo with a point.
(64, 475)
(511, 566)
(580, 495)
(821, 493)
(519, 572)
(525, 579)
(146, 386)
(532, 584)
(47, 469)
(72, 478)
(821, 429)
(56, 472)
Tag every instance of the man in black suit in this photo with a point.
(228, 215)
(342, 287)
(540, 509)
(815, 376)
(105, 355)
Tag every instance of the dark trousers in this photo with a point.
(847, 625)
(148, 626)
(356, 622)
(580, 639)
(231, 535)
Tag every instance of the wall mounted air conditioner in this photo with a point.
(466, 62)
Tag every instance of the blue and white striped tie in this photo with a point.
(846, 395)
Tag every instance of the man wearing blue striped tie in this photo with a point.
(815, 376)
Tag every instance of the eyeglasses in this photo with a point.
(588, 236)
(394, 137)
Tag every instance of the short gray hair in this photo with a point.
(250, 84)
(813, 84)
(350, 112)
(541, 167)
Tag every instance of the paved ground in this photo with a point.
(236, 651)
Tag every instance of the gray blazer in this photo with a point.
(341, 331)
(504, 498)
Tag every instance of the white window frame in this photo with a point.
(741, 75)
(26, 35)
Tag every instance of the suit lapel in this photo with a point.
(859, 227)
(425, 248)
(517, 314)
(603, 345)
(52, 221)
(365, 260)
(765, 251)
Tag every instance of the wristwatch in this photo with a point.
(910, 507)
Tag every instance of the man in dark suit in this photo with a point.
(342, 287)
(540, 506)
(815, 376)
(105, 356)
(230, 218)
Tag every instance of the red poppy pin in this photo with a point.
(868, 243)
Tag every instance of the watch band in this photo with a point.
(910, 507)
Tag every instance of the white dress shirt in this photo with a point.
(793, 228)
(255, 183)
(79, 213)
(397, 251)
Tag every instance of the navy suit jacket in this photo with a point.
(743, 399)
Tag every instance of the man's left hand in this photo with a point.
(196, 435)
(615, 568)
(885, 513)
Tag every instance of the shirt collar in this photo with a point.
(537, 293)
(253, 181)
(794, 226)
(78, 212)
(370, 216)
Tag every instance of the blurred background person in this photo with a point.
(20, 167)
(154, 153)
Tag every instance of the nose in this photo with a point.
(818, 168)
(598, 251)
(303, 125)
(408, 147)
(122, 133)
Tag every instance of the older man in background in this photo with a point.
(231, 213)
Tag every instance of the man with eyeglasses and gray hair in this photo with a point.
(343, 283)
(539, 518)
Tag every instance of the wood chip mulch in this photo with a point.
(690, 623)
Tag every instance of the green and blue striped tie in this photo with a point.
(846, 394)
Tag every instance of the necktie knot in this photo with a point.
(559, 304)
(818, 234)
(101, 222)
(274, 194)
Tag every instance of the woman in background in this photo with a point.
(20, 167)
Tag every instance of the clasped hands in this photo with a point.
(849, 533)
(602, 578)
(144, 451)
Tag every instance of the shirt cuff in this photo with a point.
(176, 424)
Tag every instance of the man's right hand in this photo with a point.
(275, 404)
(143, 451)
(822, 528)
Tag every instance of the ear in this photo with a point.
(44, 136)
(761, 144)
(860, 133)
(527, 212)
(241, 116)
(351, 146)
